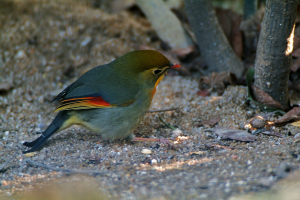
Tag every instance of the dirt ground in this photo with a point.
(46, 45)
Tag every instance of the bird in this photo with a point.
(110, 99)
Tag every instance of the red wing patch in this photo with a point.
(83, 103)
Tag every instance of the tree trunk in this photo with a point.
(273, 57)
(250, 7)
(212, 42)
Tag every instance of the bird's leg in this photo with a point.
(159, 140)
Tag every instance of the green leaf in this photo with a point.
(171, 127)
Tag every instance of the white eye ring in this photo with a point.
(157, 71)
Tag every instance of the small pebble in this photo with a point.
(146, 151)
(153, 162)
(20, 54)
(31, 154)
(86, 41)
(257, 122)
(283, 169)
(266, 181)
(176, 132)
(41, 126)
(4, 183)
(297, 136)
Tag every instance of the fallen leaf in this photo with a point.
(167, 26)
(120, 5)
(292, 115)
(272, 133)
(297, 124)
(211, 122)
(203, 93)
(234, 134)
(264, 98)
(183, 52)
(217, 81)
(255, 103)
(174, 4)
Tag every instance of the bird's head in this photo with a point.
(146, 66)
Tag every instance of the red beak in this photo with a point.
(174, 66)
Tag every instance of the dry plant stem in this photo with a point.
(162, 110)
(7, 129)
(213, 44)
(8, 161)
(165, 23)
(159, 140)
(74, 171)
(273, 58)
(168, 125)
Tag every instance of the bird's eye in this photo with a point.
(157, 71)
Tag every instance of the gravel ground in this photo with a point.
(46, 45)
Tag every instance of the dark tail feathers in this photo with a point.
(59, 120)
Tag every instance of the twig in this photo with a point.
(162, 110)
(9, 160)
(84, 62)
(220, 146)
(2, 128)
(75, 171)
